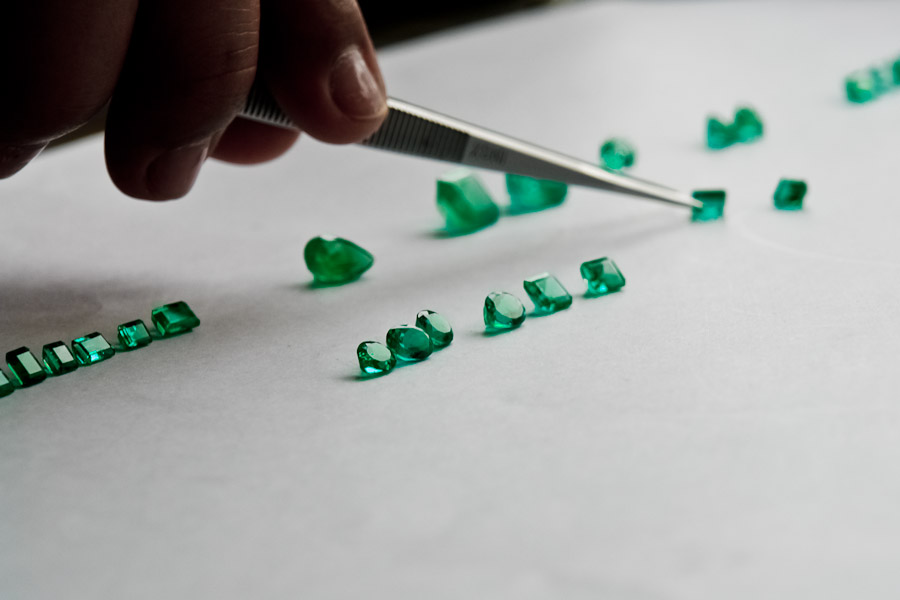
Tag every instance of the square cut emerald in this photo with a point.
(58, 359)
(719, 135)
(26, 369)
(789, 194)
(547, 293)
(6, 386)
(527, 194)
(748, 125)
(134, 334)
(465, 203)
(713, 205)
(602, 276)
(91, 349)
(172, 319)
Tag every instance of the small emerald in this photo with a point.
(617, 154)
(719, 135)
(863, 86)
(26, 369)
(436, 326)
(6, 386)
(334, 260)
(502, 310)
(409, 343)
(713, 205)
(527, 194)
(789, 194)
(172, 319)
(602, 276)
(58, 359)
(748, 126)
(895, 71)
(465, 203)
(547, 293)
(91, 349)
(134, 334)
(375, 358)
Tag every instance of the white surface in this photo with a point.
(726, 427)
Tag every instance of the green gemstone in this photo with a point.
(175, 318)
(747, 125)
(375, 358)
(713, 205)
(58, 359)
(409, 343)
(789, 194)
(864, 86)
(91, 349)
(134, 334)
(527, 194)
(547, 293)
(334, 260)
(503, 311)
(895, 72)
(26, 369)
(602, 276)
(465, 203)
(6, 386)
(436, 326)
(617, 154)
(719, 135)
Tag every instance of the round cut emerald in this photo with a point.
(375, 358)
(334, 260)
(409, 343)
(616, 154)
(502, 310)
(436, 326)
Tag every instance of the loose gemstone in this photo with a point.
(465, 203)
(134, 334)
(895, 72)
(92, 348)
(334, 260)
(547, 293)
(527, 194)
(26, 369)
(617, 154)
(602, 276)
(409, 343)
(375, 358)
(175, 318)
(436, 326)
(713, 205)
(6, 386)
(747, 125)
(58, 359)
(502, 310)
(863, 86)
(719, 135)
(789, 194)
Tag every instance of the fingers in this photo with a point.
(247, 143)
(188, 71)
(59, 62)
(319, 63)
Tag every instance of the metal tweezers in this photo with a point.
(417, 131)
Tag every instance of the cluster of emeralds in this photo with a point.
(747, 127)
(58, 359)
(408, 343)
(868, 84)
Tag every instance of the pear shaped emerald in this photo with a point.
(334, 260)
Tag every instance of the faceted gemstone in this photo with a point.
(134, 334)
(6, 386)
(375, 358)
(713, 205)
(863, 86)
(334, 260)
(747, 125)
(503, 311)
(547, 293)
(58, 359)
(465, 203)
(409, 343)
(719, 135)
(603, 276)
(617, 154)
(436, 326)
(175, 318)
(26, 369)
(789, 194)
(527, 194)
(895, 72)
(92, 348)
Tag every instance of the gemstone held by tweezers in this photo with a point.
(713, 205)
(527, 194)
(465, 203)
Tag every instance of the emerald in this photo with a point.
(409, 343)
(713, 205)
(334, 260)
(465, 203)
(527, 194)
(617, 154)
(6, 386)
(91, 349)
(863, 86)
(719, 135)
(789, 194)
(172, 319)
(375, 358)
(26, 369)
(436, 326)
(602, 276)
(547, 293)
(747, 125)
(134, 334)
(58, 359)
(502, 310)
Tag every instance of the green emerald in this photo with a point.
(602, 276)
(6, 386)
(26, 369)
(375, 358)
(616, 154)
(334, 260)
(502, 310)
(465, 203)
(91, 349)
(547, 293)
(409, 343)
(789, 194)
(172, 319)
(747, 125)
(719, 135)
(134, 334)
(436, 326)
(895, 72)
(527, 194)
(58, 359)
(863, 86)
(713, 205)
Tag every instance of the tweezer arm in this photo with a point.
(410, 129)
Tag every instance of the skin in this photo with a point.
(175, 73)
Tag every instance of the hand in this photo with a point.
(176, 72)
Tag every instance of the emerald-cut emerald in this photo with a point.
(502, 310)
(547, 293)
(91, 349)
(134, 334)
(436, 326)
(465, 203)
(616, 154)
(6, 386)
(719, 135)
(789, 194)
(375, 358)
(863, 86)
(58, 359)
(172, 319)
(713, 205)
(334, 260)
(527, 194)
(409, 343)
(748, 126)
(26, 369)
(602, 276)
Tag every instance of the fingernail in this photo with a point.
(14, 158)
(354, 88)
(172, 175)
